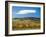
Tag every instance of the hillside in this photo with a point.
(26, 18)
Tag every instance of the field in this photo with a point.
(25, 24)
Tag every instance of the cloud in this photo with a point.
(26, 11)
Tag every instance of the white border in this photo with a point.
(24, 31)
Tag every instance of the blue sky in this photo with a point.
(16, 9)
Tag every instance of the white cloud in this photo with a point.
(26, 11)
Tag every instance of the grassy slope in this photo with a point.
(22, 24)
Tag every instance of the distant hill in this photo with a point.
(26, 18)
